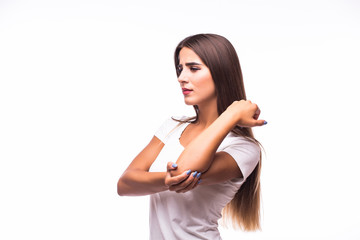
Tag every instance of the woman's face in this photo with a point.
(195, 79)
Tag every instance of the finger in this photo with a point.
(260, 122)
(191, 186)
(171, 166)
(257, 114)
(183, 184)
(192, 183)
(170, 181)
(196, 180)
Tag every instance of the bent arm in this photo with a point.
(200, 152)
(136, 179)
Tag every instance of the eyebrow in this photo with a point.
(190, 64)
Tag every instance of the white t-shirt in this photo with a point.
(195, 214)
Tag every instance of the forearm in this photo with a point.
(199, 153)
(139, 183)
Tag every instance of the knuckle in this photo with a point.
(182, 185)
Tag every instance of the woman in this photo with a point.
(208, 157)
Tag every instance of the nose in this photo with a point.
(183, 78)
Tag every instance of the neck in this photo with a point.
(207, 114)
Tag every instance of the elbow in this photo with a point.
(192, 163)
(125, 185)
(120, 193)
(121, 190)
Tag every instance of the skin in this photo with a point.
(200, 140)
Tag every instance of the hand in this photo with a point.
(182, 183)
(245, 113)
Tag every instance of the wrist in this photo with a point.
(230, 119)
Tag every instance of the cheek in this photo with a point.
(207, 83)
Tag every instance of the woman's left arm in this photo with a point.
(201, 155)
(201, 152)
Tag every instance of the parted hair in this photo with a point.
(219, 55)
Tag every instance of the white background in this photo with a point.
(85, 84)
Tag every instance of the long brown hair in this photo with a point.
(220, 57)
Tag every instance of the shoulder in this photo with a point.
(173, 121)
(168, 125)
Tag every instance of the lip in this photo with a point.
(186, 91)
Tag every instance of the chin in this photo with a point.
(189, 103)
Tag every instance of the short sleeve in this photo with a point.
(165, 129)
(245, 153)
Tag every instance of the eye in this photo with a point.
(194, 69)
(179, 69)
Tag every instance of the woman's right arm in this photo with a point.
(137, 180)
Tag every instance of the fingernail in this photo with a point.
(194, 173)
(198, 175)
(174, 165)
(188, 172)
(199, 181)
(265, 122)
